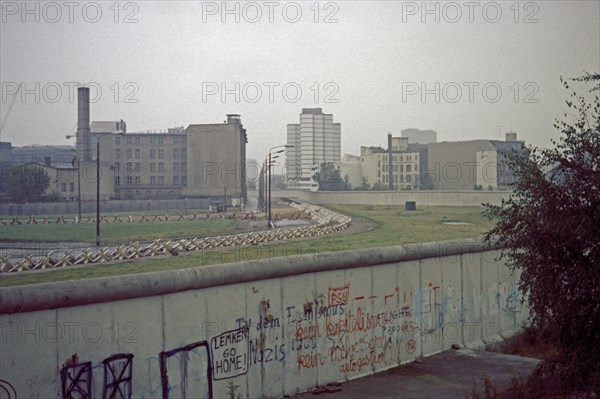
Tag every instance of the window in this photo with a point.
(176, 180)
(128, 140)
(161, 153)
(71, 187)
(183, 153)
(117, 140)
(408, 168)
(117, 180)
(175, 140)
(137, 180)
(117, 167)
(175, 167)
(152, 153)
(408, 178)
(117, 153)
(161, 180)
(175, 153)
(129, 153)
(137, 166)
(152, 140)
(152, 167)
(408, 157)
(128, 180)
(183, 167)
(161, 140)
(161, 167)
(138, 140)
(137, 153)
(152, 180)
(129, 167)
(184, 180)
(400, 168)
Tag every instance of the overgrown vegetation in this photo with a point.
(25, 183)
(550, 227)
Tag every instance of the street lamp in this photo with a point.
(283, 147)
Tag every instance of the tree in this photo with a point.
(364, 185)
(26, 183)
(550, 229)
(379, 186)
(330, 178)
(278, 182)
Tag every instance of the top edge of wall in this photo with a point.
(28, 298)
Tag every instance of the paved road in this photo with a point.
(448, 374)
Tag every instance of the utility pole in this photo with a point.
(98, 193)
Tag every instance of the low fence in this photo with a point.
(325, 222)
(260, 329)
(63, 208)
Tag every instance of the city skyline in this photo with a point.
(386, 68)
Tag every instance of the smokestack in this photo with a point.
(82, 143)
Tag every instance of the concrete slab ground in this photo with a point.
(449, 374)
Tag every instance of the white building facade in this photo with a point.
(316, 139)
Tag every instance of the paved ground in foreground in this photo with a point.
(448, 374)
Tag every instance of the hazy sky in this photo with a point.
(366, 62)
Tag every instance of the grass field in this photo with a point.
(390, 226)
(115, 232)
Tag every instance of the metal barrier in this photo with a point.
(325, 222)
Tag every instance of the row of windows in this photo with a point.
(152, 140)
(63, 187)
(396, 168)
(396, 158)
(408, 179)
(137, 166)
(154, 180)
(137, 153)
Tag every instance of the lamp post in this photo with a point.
(98, 193)
(271, 158)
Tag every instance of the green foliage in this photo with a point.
(378, 186)
(26, 183)
(330, 178)
(278, 182)
(364, 185)
(550, 228)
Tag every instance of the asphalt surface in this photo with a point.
(449, 374)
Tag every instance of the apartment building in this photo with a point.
(465, 165)
(316, 139)
(204, 160)
(393, 168)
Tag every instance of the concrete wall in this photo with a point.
(272, 327)
(423, 198)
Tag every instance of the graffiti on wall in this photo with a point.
(341, 328)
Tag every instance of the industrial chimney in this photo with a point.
(82, 143)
